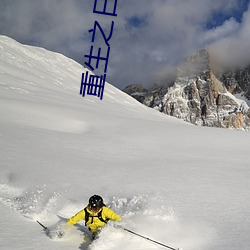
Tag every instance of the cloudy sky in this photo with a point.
(150, 37)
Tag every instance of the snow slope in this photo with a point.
(176, 183)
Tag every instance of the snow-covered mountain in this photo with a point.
(201, 96)
(237, 81)
(182, 185)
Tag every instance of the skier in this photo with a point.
(95, 214)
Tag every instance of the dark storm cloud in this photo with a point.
(149, 37)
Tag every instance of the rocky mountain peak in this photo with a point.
(196, 64)
(202, 97)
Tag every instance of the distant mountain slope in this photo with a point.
(37, 69)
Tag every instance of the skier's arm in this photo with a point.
(77, 217)
(110, 214)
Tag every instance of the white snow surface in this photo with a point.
(182, 185)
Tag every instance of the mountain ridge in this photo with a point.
(202, 96)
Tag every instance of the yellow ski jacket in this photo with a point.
(94, 223)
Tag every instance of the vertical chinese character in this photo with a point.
(92, 83)
(95, 83)
(100, 28)
(104, 9)
(98, 58)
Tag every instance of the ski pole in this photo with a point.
(146, 238)
(45, 228)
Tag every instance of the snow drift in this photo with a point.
(182, 185)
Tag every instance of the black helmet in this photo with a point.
(96, 202)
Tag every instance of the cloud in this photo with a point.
(149, 37)
(228, 28)
(233, 49)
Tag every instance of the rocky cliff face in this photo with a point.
(201, 97)
(237, 81)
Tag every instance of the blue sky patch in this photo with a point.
(219, 17)
(136, 21)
